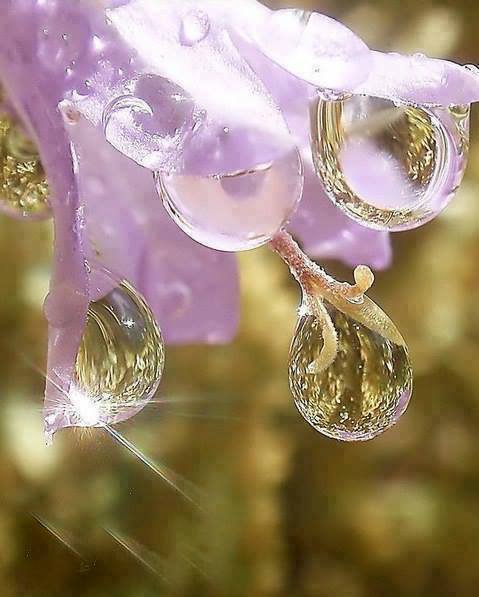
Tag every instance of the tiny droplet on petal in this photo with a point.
(194, 28)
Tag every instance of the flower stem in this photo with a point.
(312, 278)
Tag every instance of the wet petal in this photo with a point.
(313, 47)
(202, 73)
(192, 290)
(420, 80)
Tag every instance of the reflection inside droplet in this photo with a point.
(349, 370)
(389, 166)
(236, 212)
(120, 360)
(23, 184)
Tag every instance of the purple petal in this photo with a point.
(160, 81)
(420, 80)
(192, 290)
(313, 47)
(202, 74)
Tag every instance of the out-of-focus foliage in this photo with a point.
(278, 510)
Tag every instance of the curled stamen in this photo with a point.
(313, 279)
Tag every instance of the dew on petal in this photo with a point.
(195, 26)
(389, 166)
(120, 360)
(149, 123)
(349, 370)
(23, 184)
(235, 212)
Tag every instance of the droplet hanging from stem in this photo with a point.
(349, 370)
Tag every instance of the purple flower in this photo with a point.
(114, 91)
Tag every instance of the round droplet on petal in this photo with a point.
(389, 166)
(349, 369)
(236, 212)
(149, 123)
(120, 360)
(64, 38)
(23, 184)
(195, 26)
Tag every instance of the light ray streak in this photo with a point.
(148, 462)
(134, 549)
(57, 534)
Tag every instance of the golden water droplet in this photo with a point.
(120, 360)
(389, 166)
(23, 184)
(349, 369)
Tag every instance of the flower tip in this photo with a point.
(54, 420)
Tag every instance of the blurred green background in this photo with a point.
(273, 508)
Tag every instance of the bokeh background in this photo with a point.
(272, 508)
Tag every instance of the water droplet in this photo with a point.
(329, 95)
(349, 370)
(236, 212)
(149, 123)
(389, 166)
(23, 185)
(120, 360)
(195, 27)
(65, 39)
(70, 113)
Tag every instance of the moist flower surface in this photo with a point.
(173, 134)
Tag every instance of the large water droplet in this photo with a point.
(236, 212)
(23, 185)
(389, 166)
(120, 360)
(149, 123)
(349, 370)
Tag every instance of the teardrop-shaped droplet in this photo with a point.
(235, 212)
(120, 360)
(386, 165)
(23, 185)
(349, 370)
